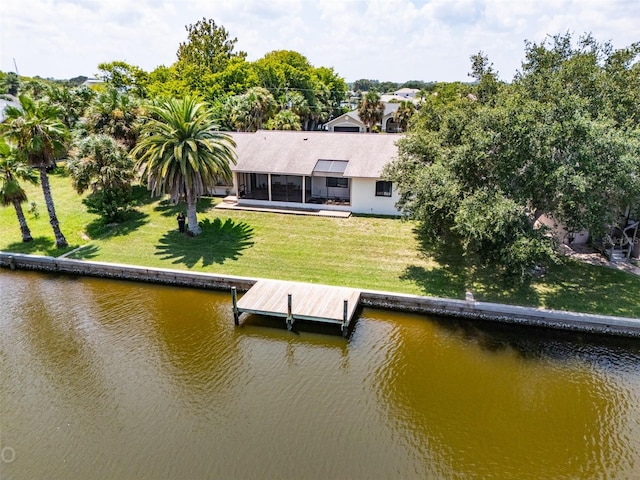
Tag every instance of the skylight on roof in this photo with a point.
(331, 166)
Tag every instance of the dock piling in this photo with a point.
(345, 318)
(236, 314)
(289, 315)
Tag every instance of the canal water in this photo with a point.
(106, 379)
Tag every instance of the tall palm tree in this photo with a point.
(181, 153)
(38, 133)
(236, 114)
(320, 106)
(12, 170)
(371, 109)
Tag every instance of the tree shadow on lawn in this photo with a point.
(217, 243)
(133, 221)
(85, 253)
(448, 278)
(168, 209)
(593, 288)
(490, 285)
(142, 195)
(454, 274)
(38, 244)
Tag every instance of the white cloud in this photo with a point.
(381, 39)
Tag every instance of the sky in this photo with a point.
(386, 40)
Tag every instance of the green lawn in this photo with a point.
(365, 252)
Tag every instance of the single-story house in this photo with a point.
(350, 121)
(315, 170)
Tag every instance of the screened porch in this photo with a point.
(313, 189)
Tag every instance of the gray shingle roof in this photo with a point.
(296, 153)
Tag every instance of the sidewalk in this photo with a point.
(591, 256)
(229, 203)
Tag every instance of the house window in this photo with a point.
(339, 182)
(383, 189)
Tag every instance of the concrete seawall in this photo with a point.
(385, 300)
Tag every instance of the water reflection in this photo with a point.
(105, 379)
(493, 402)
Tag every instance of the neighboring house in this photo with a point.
(407, 92)
(315, 171)
(620, 243)
(350, 121)
(561, 234)
(7, 101)
(92, 82)
(404, 94)
(347, 122)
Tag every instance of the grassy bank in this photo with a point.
(365, 252)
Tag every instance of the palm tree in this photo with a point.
(320, 106)
(371, 109)
(102, 165)
(181, 153)
(115, 113)
(260, 104)
(284, 120)
(405, 111)
(38, 133)
(10, 83)
(71, 101)
(297, 103)
(235, 113)
(248, 111)
(13, 169)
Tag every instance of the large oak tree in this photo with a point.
(556, 142)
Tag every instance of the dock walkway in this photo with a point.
(299, 301)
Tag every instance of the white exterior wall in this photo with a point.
(385, 119)
(221, 190)
(345, 120)
(561, 234)
(319, 189)
(364, 200)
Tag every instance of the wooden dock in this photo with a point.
(298, 301)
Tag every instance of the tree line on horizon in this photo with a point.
(281, 90)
